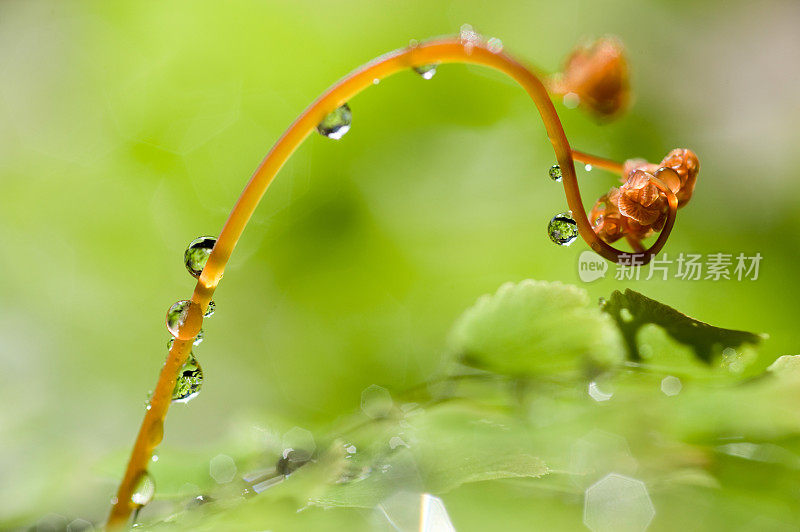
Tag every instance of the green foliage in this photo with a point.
(528, 428)
(633, 310)
(536, 327)
(131, 128)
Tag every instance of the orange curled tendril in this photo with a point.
(639, 208)
(445, 50)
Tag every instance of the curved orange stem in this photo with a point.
(599, 162)
(446, 50)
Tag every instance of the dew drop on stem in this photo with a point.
(426, 71)
(156, 433)
(555, 172)
(210, 309)
(495, 45)
(188, 381)
(562, 229)
(184, 319)
(469, 38)
(197, 253)
(144, 490)
(197, 339)
(337, 123)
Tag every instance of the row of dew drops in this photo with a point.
(190, 375)
(189, 379)
(562, 230)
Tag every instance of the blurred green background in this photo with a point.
(129, 128)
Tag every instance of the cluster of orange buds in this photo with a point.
(596, 76)
(637, 208)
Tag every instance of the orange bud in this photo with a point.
(640, 200)
(687, 166)
(597, 74)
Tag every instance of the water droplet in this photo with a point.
(197, 339)
(562, 229)
(426, 71)
(210, 309)
(495, 45)
(184, 319)
(571, 100)
(291, 461)
(144, 490)
(189, 381)
(618, 503)
(671, 385)
(222, 468)
(154, 458)
(197, 253)
(337, 123)
(555, 172)
(469, 37)
(597, 394)
(588, 167)
(376, 402)
(156, 433)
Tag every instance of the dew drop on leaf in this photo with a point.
(197, 253)
(291, 460)
(555, 173)
(188, 381)
(426, 71)
(562, 229)
(337, 123)
(144, 490)
(184, 319)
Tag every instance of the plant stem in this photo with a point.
(599, 162)
(446, 50)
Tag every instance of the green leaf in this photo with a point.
(786, 367)
(535, 327)
(439, 449)
(633, 310)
